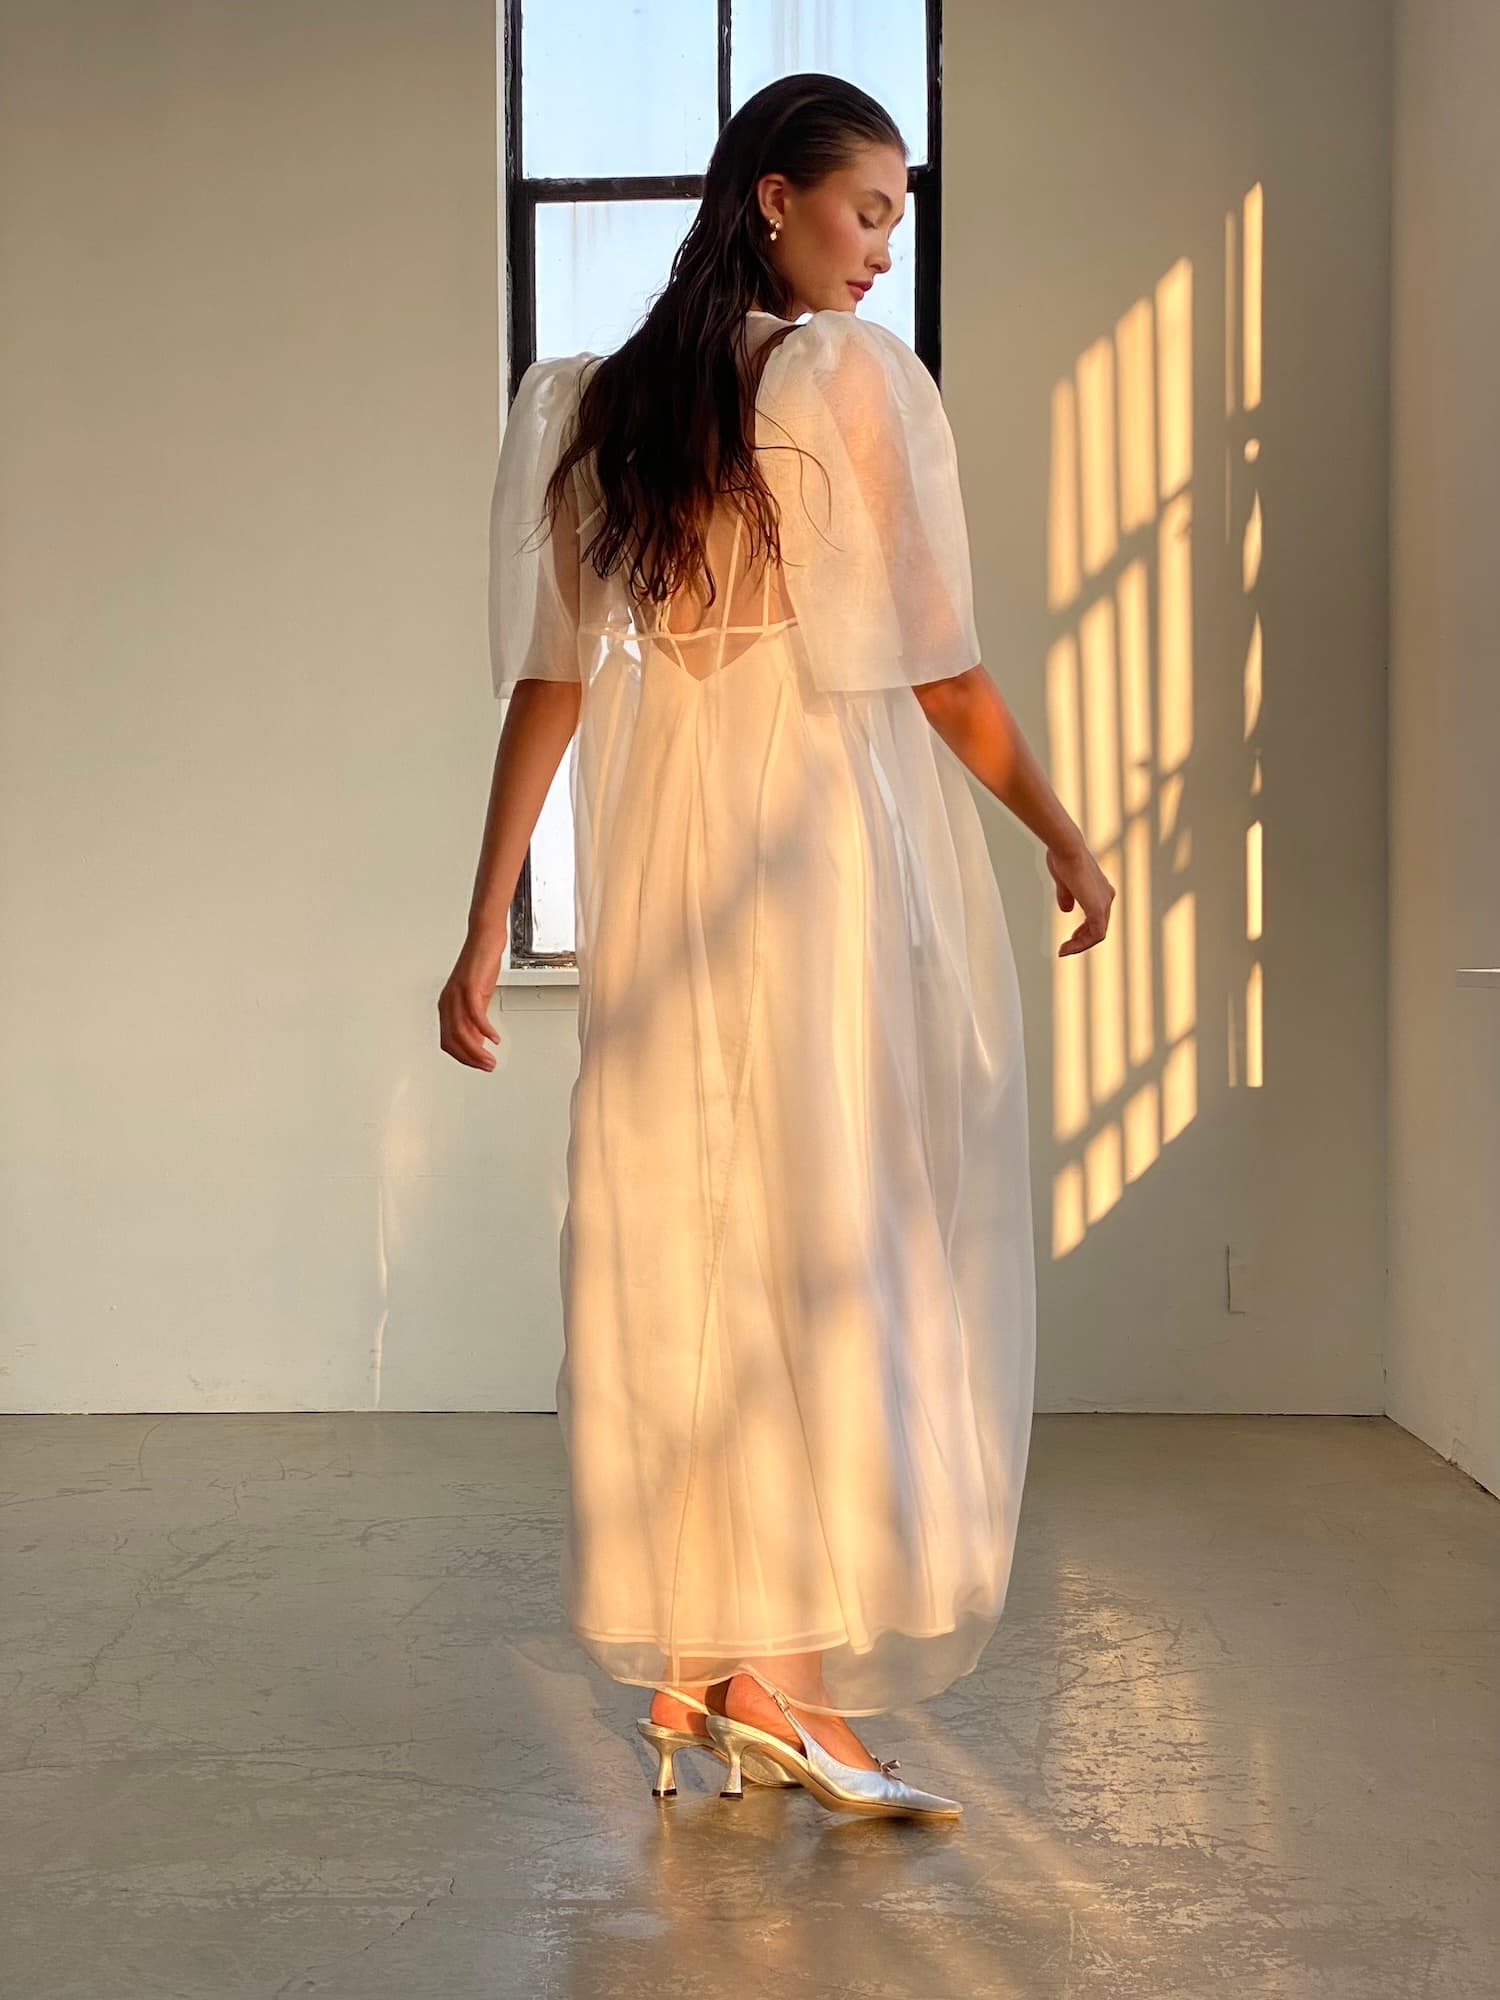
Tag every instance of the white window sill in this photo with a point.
(538, 975)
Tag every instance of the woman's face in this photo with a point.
(835, 237)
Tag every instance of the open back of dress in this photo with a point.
(750, 600)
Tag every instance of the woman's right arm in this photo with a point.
(540, 719)
(534, 610)
(973, 718)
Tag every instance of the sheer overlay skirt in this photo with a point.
(796, 1262)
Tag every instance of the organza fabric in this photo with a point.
(796, 1260)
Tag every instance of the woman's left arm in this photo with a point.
(974, 719)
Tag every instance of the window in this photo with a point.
(607, 121)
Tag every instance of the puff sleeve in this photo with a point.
(533, 570)
(877, 552)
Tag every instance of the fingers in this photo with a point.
(476, 1008)
(1090, 932)
(464, 1047)
(464, 1028)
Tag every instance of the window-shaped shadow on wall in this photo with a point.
(1123, 507)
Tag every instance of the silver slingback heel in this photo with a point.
(839, 1786)
(666, 1742)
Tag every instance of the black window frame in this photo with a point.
(525, 193)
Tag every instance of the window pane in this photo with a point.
(879, 44)
(552, 859)
(599, 264)
(892, 300)
(610, 90)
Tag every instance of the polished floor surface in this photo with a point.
(288, 1713)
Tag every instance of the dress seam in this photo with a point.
(721, 1225)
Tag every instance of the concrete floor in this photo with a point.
(290, 1713)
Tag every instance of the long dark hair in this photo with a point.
(669, 417)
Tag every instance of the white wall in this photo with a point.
(249, 383)
(249, 397)
(1444, 1361)
(1089, 148)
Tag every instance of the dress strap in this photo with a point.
(734, 550)
(658, 629)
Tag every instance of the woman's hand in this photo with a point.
(1081, 880)
(463, 1004)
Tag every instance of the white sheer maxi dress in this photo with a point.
(796, 1260)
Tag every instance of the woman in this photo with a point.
(798, 1288)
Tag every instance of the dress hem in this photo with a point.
(821, 1642)
(866, 1710)
(757, 1648)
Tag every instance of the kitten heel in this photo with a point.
(734, 1784)
(666, 1743)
